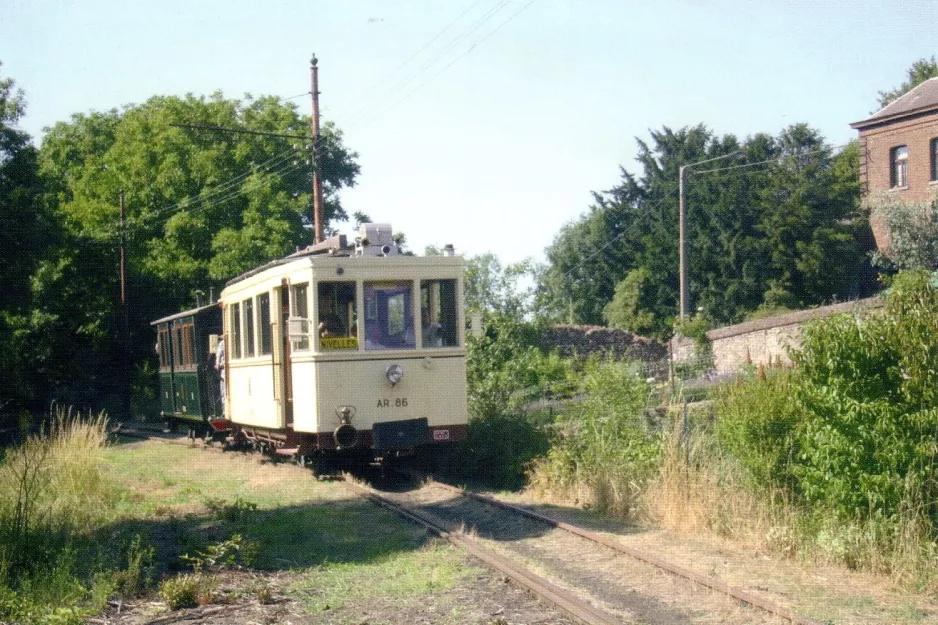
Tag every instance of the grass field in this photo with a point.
(341, 549)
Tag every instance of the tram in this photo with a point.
(189, 382)
(345, 348)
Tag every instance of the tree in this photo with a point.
(202, 207)
(490, 287)
(784, 229)
(21, 225)
(25, 234)
(921, 70)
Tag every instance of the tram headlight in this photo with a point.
(394, 373)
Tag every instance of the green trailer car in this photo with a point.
(189, 382)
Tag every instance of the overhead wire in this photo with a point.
(228, 189)
(221, 193)
(371, 114)
(426, 45)
(458, 58)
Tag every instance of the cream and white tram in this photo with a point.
(342, 347)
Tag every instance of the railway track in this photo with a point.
(582, 566)
(592, 577)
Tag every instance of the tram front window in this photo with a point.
(338, 317)
(438, 318)
(389, 317)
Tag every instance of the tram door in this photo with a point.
(283, 387)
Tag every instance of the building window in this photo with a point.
(933, 150)
(899, 167)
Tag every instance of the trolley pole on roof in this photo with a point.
(125, 317)
(317, 181)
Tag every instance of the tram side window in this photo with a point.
(188, 355)
(236, 330)
(299, 317)
(389, 318)
(438, 319)
(179, 346)
(248, 328)
(263, 311)
(338, 316)
(164, 347)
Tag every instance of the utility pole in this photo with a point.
(125, 316)
(317, 181)
(682, 237)
(682, 241)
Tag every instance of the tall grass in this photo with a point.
(736, 480)
(51, 490)
(604, 451)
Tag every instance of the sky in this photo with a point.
(482, 123)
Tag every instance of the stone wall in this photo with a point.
(764, 341)
(577, 340)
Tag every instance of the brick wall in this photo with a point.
(876, 142)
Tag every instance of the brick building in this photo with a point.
(899, 150)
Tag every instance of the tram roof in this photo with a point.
(312, 259)
(185, 313)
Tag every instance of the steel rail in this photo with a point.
(709, 582)
(526, 578)
(554, 594)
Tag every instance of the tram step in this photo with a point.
(289, 451)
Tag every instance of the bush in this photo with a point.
(757, 424)
(869, 391)
(187, 591)
(507, 378)
(603, 451)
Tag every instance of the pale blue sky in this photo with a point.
(500, 149)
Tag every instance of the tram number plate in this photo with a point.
(399, 402)
(441, 435)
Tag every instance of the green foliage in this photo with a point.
(202, 206)
(757, 425)
(913, 232)
(869, 390)
(694, 327)
(187, 591)
(238, 510)
(507, 374)
(490, 287)
(603, 445)
(133, 580)
(235, 551)
(26, 232)
(853, 428)
(788, 232)
(921, 70)
(51, 492)
(624, 311)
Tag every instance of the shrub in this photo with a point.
(869, 391)
(187, 591)
(507, 377)
(133, 580)
(757, 424)
(50, 487)
(603, 451)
